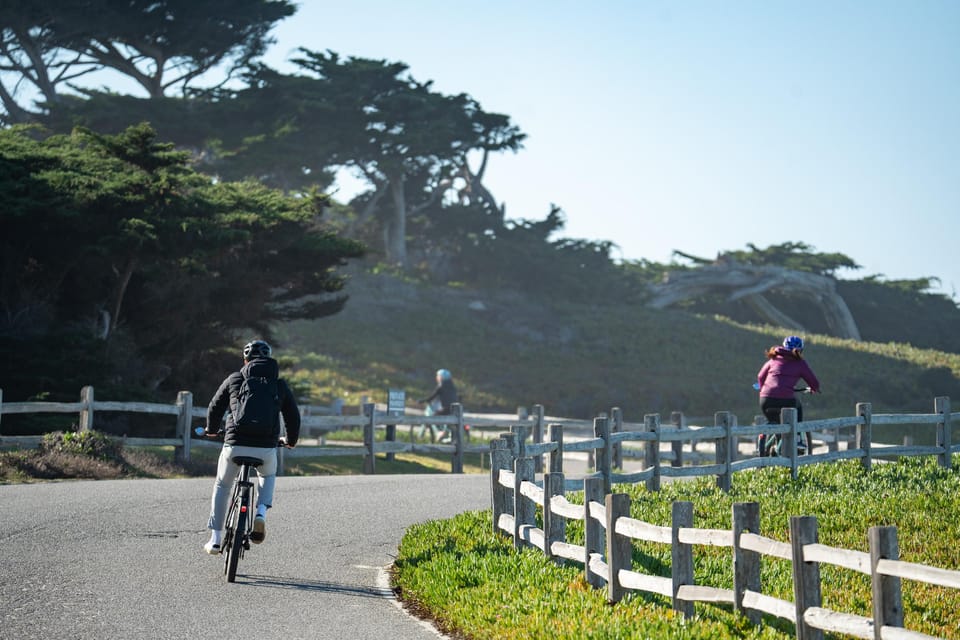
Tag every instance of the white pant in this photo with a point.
(227, 473)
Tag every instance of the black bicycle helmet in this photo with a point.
(256, 349)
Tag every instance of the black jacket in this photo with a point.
(447, 392)
(226, 398)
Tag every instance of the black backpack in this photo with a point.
(258, 405)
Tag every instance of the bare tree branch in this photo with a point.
(751, 281)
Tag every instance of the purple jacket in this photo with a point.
(778, 375)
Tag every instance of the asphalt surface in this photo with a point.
(123, 559)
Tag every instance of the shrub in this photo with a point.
(83, 443)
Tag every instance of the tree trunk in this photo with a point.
(396, 230)
(771, 314)
(128, 270)
(750, 282)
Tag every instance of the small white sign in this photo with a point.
(396, 402)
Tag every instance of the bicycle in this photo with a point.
(772, 445)
(239, 522)
(439, 433)
(238, 525)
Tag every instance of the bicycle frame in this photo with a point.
(772, 444)
(239, 522)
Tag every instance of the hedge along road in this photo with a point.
(123, 559)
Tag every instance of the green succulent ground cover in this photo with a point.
(474, 585)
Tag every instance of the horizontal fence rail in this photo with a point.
(606, 555)
(674, 449)
(607, 558)
(371, 420)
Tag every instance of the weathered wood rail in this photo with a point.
(371, 421)
(610, 434)
(606, 555)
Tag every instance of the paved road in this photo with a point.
(123, 559)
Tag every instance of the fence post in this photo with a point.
(555, 432)
(944, 430)
(520, 432)
(501, 458)
(678, 421)
(616, 426)
(601, 429)
(651, 423)
(593, 537)
(524, 509)
(456, 465)
(746, 563)
(537, 435)
(86, 411)
(788, 416)
(806, 575)
(619, 548)
(184, 416)
(865, 434)
(369, 464)
(723, 449)
(391, 436)
(682, 555)
(887, 594)
(554, 526)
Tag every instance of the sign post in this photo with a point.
(396, 406)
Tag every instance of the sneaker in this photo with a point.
(213, 548)
(259, 530)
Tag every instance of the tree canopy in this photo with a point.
(160, 44)
(117, 241)
(409, 143)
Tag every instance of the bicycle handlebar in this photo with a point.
(809, 390)
(202, 433)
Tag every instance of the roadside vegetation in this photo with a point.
(472, 583)
(68, 455)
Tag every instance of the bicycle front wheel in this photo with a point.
(235, 549)
(229, 530)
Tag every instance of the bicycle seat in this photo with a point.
(247, 460)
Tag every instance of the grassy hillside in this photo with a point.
(580, 357)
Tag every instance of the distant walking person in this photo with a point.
(776, 379)
(255, 396)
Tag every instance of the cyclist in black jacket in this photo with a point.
(258, 440)
(446, 393)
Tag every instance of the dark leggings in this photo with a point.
(771, 408)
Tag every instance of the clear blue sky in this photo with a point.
(700, 126)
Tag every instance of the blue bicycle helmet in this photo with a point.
(444, 374)
(793, 343)
(256, 349)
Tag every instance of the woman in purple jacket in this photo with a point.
(776, 379)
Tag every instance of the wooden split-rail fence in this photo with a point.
(315, 421)
(606, 555)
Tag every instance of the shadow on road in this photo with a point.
(322, 586)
